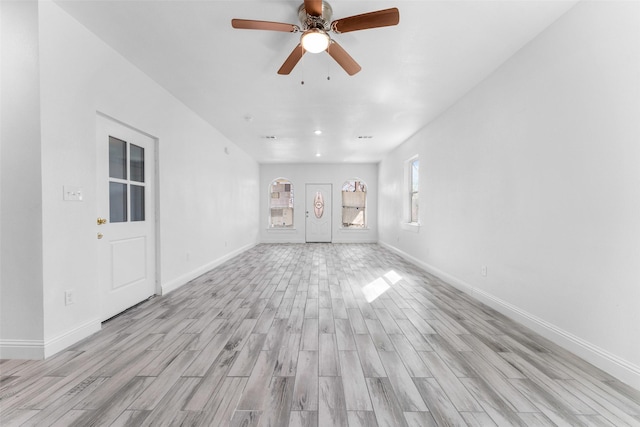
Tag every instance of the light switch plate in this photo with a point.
(72, 193)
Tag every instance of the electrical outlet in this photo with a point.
(484, 270)
(68, 297)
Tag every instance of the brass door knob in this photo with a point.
(101, 221)
(100, 236)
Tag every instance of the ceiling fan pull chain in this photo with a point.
(302, 67)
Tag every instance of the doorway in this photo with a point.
(318, 213)
(126, 229)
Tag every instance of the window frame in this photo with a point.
(289, 204)
(363, 184)
(131, 176)
(413, 190)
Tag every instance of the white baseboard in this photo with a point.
(174, 284)
(282, 240)
(71, 337)
(39, 349)
(344, 238)
(622, 369)
(22, 349)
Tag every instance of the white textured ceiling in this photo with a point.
(410, 74)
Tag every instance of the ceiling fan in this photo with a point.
(315, 18)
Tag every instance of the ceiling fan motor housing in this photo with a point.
(321, 22)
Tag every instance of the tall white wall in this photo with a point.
(335, 174)
(208, 187)
(536, 174)
(21, 314)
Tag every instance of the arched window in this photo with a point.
(281, 203)
(354, 202)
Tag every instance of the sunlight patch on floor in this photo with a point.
(379, 286)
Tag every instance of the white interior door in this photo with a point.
(318, 213)
(126, 216)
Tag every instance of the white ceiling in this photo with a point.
(410, 74)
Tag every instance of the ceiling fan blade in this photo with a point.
(343, 58)
(292, 60)
(379, 18)
(250, 24)
(313, 7)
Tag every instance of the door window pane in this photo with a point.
(137, 202)
(137, 163)
(117, 158)
(117, 202)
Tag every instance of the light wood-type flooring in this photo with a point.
(283, 335)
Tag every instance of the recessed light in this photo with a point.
(318, 132)
(318, 154)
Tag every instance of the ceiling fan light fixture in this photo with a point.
(315, 40)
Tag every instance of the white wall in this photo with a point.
(335, 174)
(208, 205)
(21, 312)
(536, 175)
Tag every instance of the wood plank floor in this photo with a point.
(284, 335)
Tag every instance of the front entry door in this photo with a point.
(126, 216)
(318, 213)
